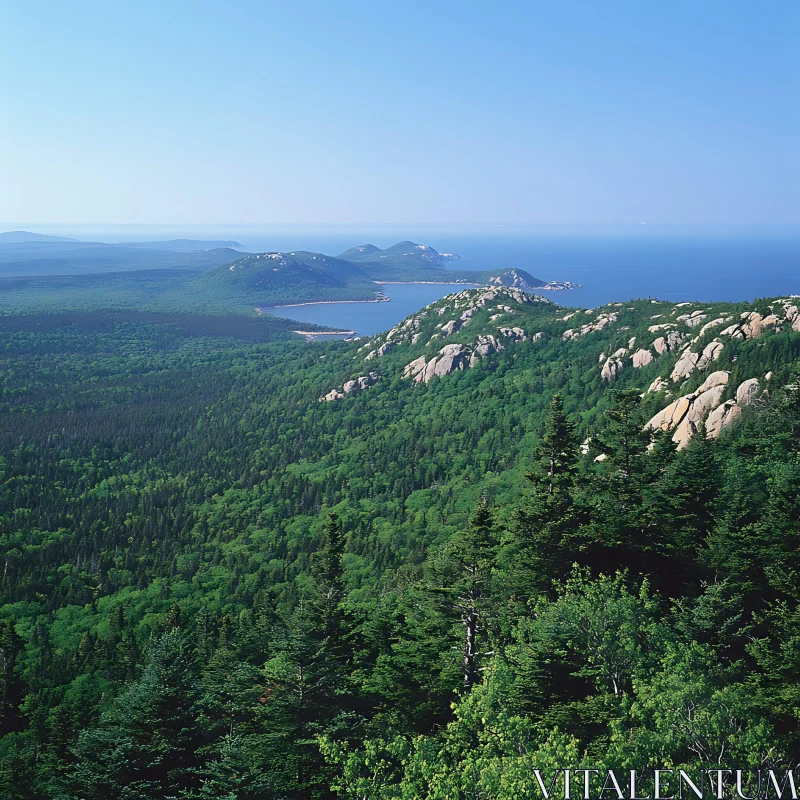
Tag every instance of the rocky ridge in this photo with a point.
(673, 347)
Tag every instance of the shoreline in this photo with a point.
(425, 283)
(324, 303)
(309, 334)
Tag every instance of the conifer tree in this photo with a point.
(465, 570)
(557, 454)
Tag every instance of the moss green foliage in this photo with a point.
(213, 585)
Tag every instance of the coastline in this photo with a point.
(324, 303)
(426, 283)
(313, 334)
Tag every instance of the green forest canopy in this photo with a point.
(215, 585)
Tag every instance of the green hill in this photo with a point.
(273, 278)
(503, 534)
(402, 254)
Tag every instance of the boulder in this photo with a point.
(453, 357)
(669, 417)
(685, 365)
(601, 322)
(711, 352)
(721, 417)
(793, 316)
(692, 320)
(658, 385)
(684, 415)
(704, 402)
(414, 368)
(641, 358)
(451, 327)
(516, 334)
(719, 378)
(669, 342)
(747, 391)
(428, 373)
(486, 345)
(712, 324)
(611, 368)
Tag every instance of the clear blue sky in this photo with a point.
(335, 111)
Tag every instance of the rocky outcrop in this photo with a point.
(713, 324)
(601, 322)
(692, 320)
(751, 325)
(641, 358)
(711, 352)
(613, 365)
(381, 351)
(658, 385)
(793, 316)
(415, 367)
(350, 387)
(485, 346)
(515, 334)
(726, 414)
(747, 392)
(685, 365)
(451, 357)
(685, 414)
(690, 361)
(669, 343)
(721, 417)
(451, 327)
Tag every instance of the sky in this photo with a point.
(400, 112)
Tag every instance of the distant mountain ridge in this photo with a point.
(25, 254)
(27, 236)
(401, 254)
(302, 276)
(214, 275)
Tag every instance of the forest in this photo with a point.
(214, 585)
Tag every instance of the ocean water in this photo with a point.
(367, 319)
(612, 263)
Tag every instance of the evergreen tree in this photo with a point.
(557, 455)
(464, 572)
(145, 747)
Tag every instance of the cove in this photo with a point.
(367, 319)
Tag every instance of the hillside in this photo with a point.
(409, 261)
(402, 254)
(274, 278)
(554, 530)
(697, 360)
(302, 276)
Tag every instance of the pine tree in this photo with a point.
(147, 743)
(557, 455)
(534, 546)
(464, 572)
(12, 690)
